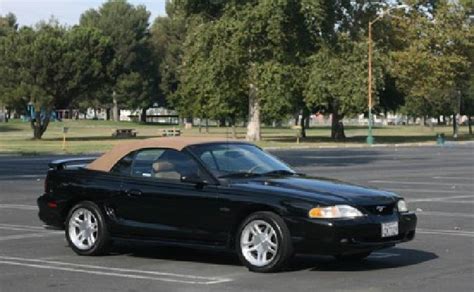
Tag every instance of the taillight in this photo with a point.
(52, 204)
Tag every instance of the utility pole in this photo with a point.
(370, 137)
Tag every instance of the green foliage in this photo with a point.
(338, 78)
(132, 71)
(434, 59)
(231, 47)
(8, 24)
(50, 67)
(167, 37)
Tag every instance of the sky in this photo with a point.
(29, 12)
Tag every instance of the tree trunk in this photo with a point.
(297, 118)
(222, 122)
(304, 122)
(207, 126)
(337, 127)
(115, 108)
(143, 115)
(233, 130)
(469, 121)
(455, 126)
(39, 126)
(253, 126)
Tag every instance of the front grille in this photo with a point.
(380, 209)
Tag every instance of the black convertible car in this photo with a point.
(217, 194)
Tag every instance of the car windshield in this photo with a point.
(239, 160)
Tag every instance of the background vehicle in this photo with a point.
(220, 195)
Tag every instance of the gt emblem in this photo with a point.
(380, 208)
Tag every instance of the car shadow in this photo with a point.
(172, 253)
(379, 260)
(385, 259)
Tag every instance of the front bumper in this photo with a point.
(347, 236)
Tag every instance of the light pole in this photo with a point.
(370, 137)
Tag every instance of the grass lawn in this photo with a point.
(96, 136)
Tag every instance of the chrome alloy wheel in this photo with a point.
(83, 229)
(259, 243)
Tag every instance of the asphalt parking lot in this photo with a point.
(438, 183)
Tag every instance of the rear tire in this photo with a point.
(263, 242)
(356, 257)
(86, 230)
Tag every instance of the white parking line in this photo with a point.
(18, 207)
(22, 176)
(445, 232)
(454, 177)
(420, 183)
(34, 232)
(383, 255)
(441, 199)
(445, 214)
(29, 235)
(23, 226)
(110, 271)
(399, 190)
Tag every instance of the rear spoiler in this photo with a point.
(70, 163)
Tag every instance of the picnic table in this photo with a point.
(171, 132)
(124, 133)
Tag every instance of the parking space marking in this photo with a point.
(110, 271)
(383, 255)
(445, 214)
(454, 177)
(34, 232)
(29, 235)
(445, 232)
(23, 226)
(22, 176)
(441, 199)
(426, 191)
(18, 206)
(419, 183)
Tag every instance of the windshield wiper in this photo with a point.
(239, 175)
(280, 172)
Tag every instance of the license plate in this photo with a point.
(389, 229)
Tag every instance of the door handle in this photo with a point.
(133, 193)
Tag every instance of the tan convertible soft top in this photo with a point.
(110, 158)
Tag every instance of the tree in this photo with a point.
(50, 66)
(132, 76)
(337, 81)
(253, 45)
(8, 24)
(168, 34)
(434, 59)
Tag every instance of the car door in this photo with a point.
(156, 203)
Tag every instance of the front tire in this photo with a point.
(86, 230)
(264, 242)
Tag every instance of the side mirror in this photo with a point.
(193, 179)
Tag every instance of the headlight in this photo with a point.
(338, 211)
(402, 206)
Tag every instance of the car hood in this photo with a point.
(326, 191)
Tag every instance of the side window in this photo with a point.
(143, 164)
(124, 166)
(165, 164)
